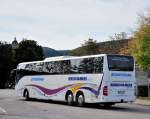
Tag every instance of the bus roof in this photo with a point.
(59, 58)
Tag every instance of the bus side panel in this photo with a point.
(55, 86)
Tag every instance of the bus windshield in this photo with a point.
(120, 63)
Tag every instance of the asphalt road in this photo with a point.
(12, 107)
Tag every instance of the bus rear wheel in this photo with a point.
(80, 100)
(69, 99)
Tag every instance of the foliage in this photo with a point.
(89, 47)
(139, 45)
(107, 47)
(142, 43)
(28, 50)
(128, 47)
(113, 46)
(6, 62)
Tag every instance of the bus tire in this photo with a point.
(80, 100)
(26, 94)
(69, 98)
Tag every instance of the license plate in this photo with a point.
(121, 92)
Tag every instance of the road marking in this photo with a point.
(3, 110)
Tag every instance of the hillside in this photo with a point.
(49, 52)
(107, 47)
(113, 47)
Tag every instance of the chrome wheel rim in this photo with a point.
(69, 99)
(80, 100)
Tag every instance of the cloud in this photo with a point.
(55, 23)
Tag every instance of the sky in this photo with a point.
(66, 24)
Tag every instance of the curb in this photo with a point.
(142, 102)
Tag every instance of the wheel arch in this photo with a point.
(79, 92)
(67, 93)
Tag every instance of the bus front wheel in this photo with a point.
(80, 100)
(26, 94)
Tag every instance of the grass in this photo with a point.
(144, 98)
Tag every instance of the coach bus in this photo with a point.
(103, 78)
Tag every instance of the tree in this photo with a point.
(143, 55)
(128, 47)
(89, 47)
(6, 62)
(119, 36)
(28, 50)
(141, 43)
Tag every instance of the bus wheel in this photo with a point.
(80, 100)
(26, 94)
(69, 98)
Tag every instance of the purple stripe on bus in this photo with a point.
(49, 91)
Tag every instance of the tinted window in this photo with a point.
(57, 67)
(87, 65)
(74, 66)
(120, 63)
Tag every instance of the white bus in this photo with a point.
(105, 79)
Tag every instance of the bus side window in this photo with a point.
(86, 65)
(98, 64)
(65, 66)
(74, 69)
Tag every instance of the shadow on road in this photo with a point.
(130, 108)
